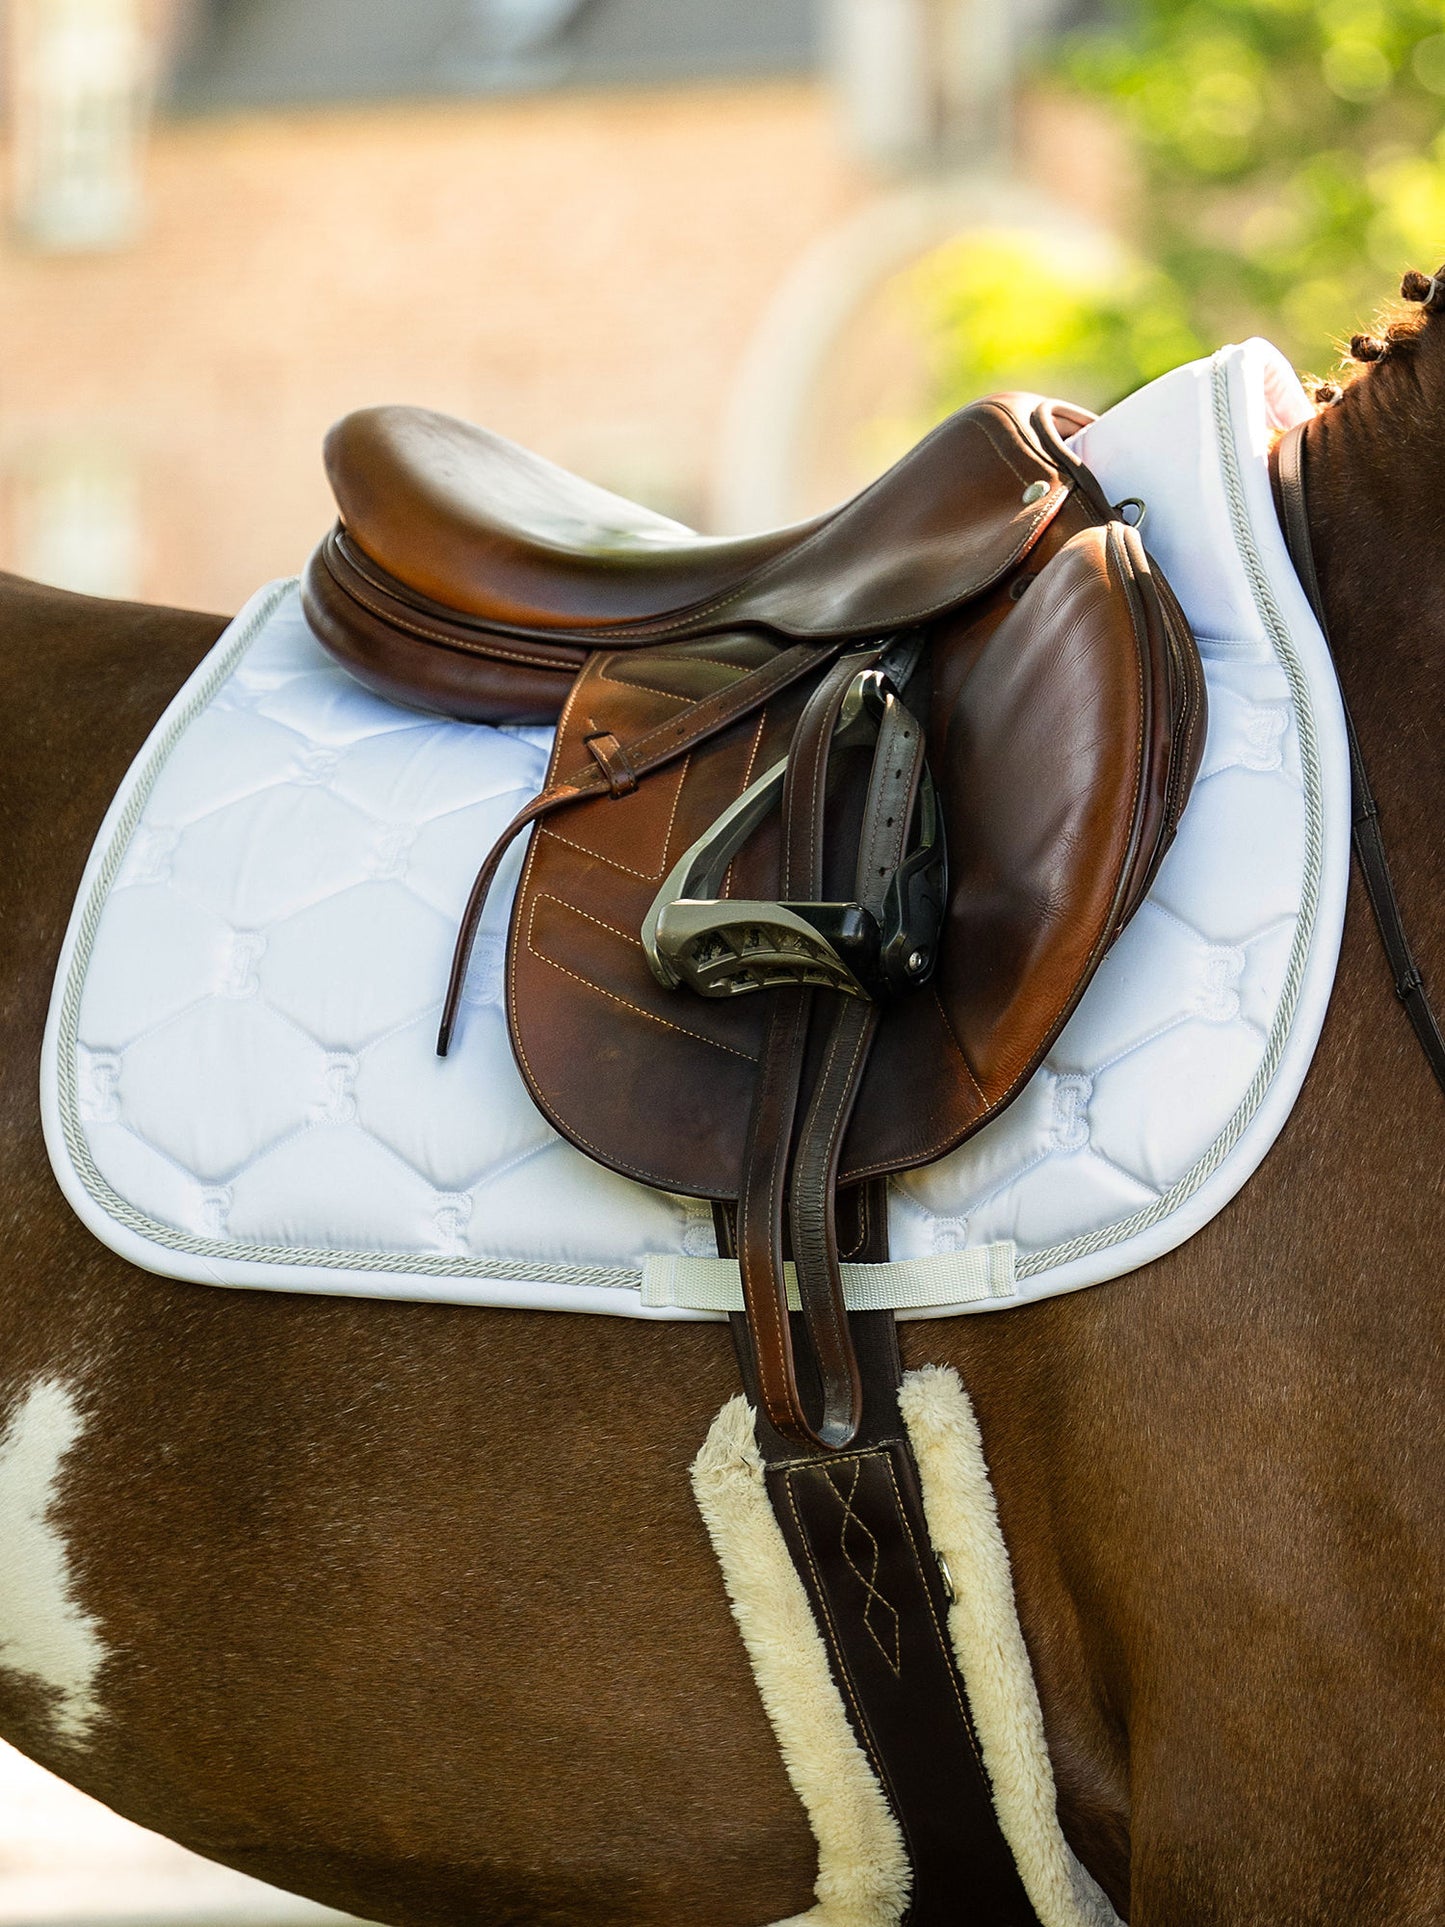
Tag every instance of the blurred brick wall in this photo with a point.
(581, 272)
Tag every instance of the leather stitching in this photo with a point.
(775, 1300)
(840, 1664)
(651, 689)
(439, 638)
(612, 996)
(623, 936)
(615, 863)
(860, 1242)
(707, 610)
(944, 1645)
(830, 1304)
(680, 653)
(751, 765)
(869, 1580)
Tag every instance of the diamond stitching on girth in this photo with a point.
(877, 1610)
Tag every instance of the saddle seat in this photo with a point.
(483, 527)
(455, 550)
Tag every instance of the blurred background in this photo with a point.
(728, 256)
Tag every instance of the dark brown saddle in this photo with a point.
(839, 821)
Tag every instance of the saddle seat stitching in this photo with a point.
(438, 639)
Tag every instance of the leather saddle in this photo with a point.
(839, 822)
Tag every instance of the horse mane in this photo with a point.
(1397, 333)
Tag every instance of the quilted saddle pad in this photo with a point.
(239, 1081)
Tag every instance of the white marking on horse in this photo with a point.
(44, 1632)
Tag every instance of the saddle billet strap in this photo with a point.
(1289, 478)
(653, 750)
(855, 1528)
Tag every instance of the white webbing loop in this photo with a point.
(968, 1277)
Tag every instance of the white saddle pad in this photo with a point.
(239, 1079)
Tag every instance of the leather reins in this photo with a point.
(1369, 841)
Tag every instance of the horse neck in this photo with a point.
(1376, 473)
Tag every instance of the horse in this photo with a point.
(408, 1608)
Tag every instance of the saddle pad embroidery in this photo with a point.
(239, 1085)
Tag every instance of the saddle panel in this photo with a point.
(1060, 746)
(446, 587)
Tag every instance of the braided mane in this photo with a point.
(1397, 333)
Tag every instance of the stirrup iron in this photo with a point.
(728, 947)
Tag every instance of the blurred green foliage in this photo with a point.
(1004, 309)
(1290, 163)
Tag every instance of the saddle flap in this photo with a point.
(1063, 729)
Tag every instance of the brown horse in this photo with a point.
(409, 1608)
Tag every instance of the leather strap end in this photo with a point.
(537, 808)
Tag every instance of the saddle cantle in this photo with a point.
(1036, 704)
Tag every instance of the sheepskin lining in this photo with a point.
(864, 1877)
